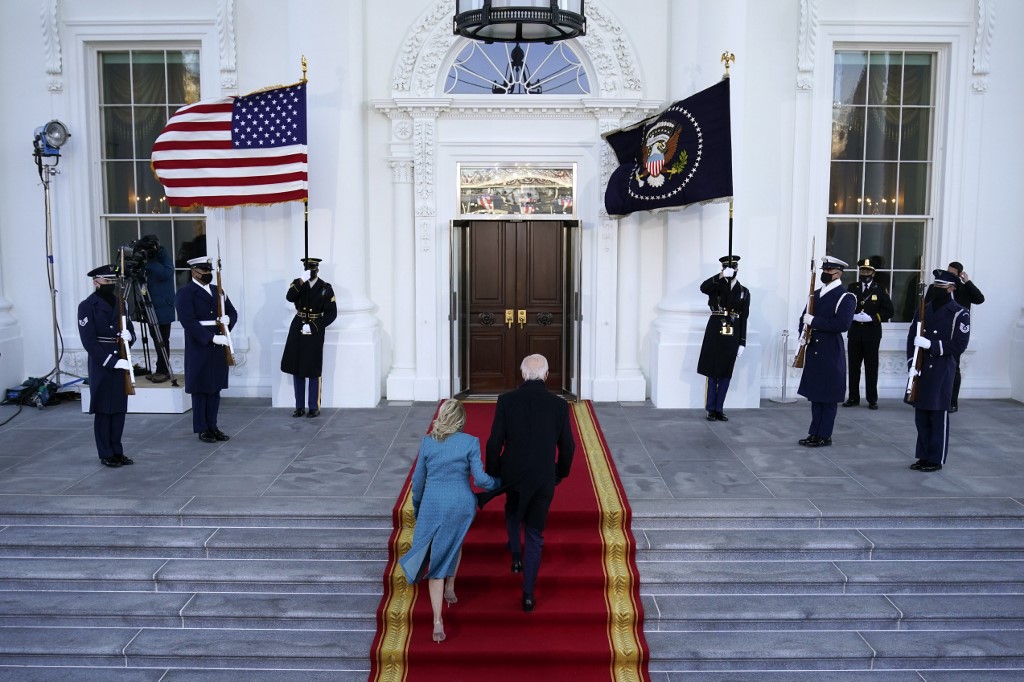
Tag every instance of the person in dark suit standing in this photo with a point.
(873, 308)
(530, 423)
(966, 294)
(206, 367)
(725, 336)
(303, 358)
(99, 329)
(944, 337)
(160, 285)
(824, 378)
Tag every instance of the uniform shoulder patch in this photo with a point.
(965, 327)
(84, 321)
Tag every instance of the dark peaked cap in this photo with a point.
(108, 271)
(729, 261)
(311, 262)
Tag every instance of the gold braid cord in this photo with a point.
(391, 653)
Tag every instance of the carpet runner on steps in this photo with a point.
(588, 623)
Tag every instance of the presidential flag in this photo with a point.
(236, 151)
(678, 157)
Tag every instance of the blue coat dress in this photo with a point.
(97, 328)
(949, 330)
(824, 376)
(206, 367)
(444, 503)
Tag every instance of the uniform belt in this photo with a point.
(719, 312)
(309, 316)
(107, 339)
(208, 323)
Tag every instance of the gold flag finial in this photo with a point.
(727, 59)
(304, 63)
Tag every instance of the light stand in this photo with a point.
(46, 145)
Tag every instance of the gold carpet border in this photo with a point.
(624, 618)
(392, 651)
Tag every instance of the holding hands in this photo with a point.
(808, 318)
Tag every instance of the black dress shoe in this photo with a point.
(110, 462)
(220, 435)
(810, 441)
(208, 437)
(953, 408)
(123, 460)
(720, 416)
(517, 566)
(712, 416)
(312, 413)
(820, 443)
(851, 403)
(916, 466)
(528, 602)
(930, 466)
(299, 412)
(872, 406)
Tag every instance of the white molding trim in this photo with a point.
(228, 49)
(807, 37)
(985, 26)
(52, 46)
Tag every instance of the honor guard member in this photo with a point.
(945, 333)
(315, 310)
(99, 329)
(873, 308)
(966, 294)
(725, 336)
(824, 377)
(206, 367)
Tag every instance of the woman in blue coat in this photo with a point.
(444, 505)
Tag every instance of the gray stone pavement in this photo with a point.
(660, 454)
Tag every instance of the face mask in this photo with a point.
(106, 290)
(865, 278)
(206, 277)
(313, 273)
(826, 278)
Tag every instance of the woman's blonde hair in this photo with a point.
(450, 418)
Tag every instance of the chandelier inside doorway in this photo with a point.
(507, 69)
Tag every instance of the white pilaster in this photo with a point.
(401, 379)
(631, 382)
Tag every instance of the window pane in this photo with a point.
(917, 79)
(845, 187)
(879, 188)
(121, 232)
(885, 75)
(120, 186)
(876, 242)
(517, 69)
(914, 190)
(909, 245)
(850, 78)
(883, 133)
(149, 121)
(164, 232)
(841, 240)
(117, 132)
(917, 135)
(148, 83)
(904, 295)
(116, 78)
(190, 242)
(182, 77)
(151, 192)
(848, 133)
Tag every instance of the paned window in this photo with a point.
(139, 90)
(880, 182)
(515, 69)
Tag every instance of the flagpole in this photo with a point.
(727, 59)
(305, 202)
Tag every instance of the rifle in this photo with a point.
(123, 350)
(911, 395)
(798, 361)
(229, 350)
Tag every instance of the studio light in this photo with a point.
(519, 21)
(50, 138)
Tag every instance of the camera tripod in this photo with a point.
(140, 304)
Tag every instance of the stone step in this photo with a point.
(121, 674)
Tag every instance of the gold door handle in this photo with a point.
(508, 317)
(522, 319)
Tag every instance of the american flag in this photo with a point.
(235, 151)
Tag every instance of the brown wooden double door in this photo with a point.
(515, 292)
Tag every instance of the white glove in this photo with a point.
(122, 364)
(125, 335)
(922, 342)
(306, 329)
(862, 317)
(803, 340)
(739, 352)
(728, 272)
(912, 373)
(807, 319)
(224, 320)
(303, 276)
(220, 340)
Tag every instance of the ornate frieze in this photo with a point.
(806, 41)
(423, 158)
(51, 46)
(228, 50)
(984, 27)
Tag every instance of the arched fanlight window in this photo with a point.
(517, 69)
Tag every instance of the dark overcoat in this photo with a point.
(316, 306)
(160, 284)
(718, 351)
(206, 366)
(97, 328)
(824, 375)
(949, 330)
(530, 424)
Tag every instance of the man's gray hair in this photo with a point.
(534, 367)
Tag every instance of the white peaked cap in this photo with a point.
(201, 260)
(833, 262)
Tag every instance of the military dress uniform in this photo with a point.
(966, 294)
(947, 330)
(724, 336)
(864, 338)
(824, 377)
(206, 367)
(315, 309)
(98, 329)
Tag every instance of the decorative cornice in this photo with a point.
(610, 52)
(51, 45)
(423, 160)
(984, 26)
(228, 49)
(504, 108)
(807, 38)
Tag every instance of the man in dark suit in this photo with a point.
(725, 336)
(303, 358)
(206, 366)
(966, 294)
(529, 425)
(873, 308)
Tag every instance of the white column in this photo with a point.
(402, 377)
(631, 382)
(12, 350)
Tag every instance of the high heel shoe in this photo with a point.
(449, 596)
(439, 632)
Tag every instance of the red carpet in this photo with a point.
(588, 624)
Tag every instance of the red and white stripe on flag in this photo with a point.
(235, 151)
